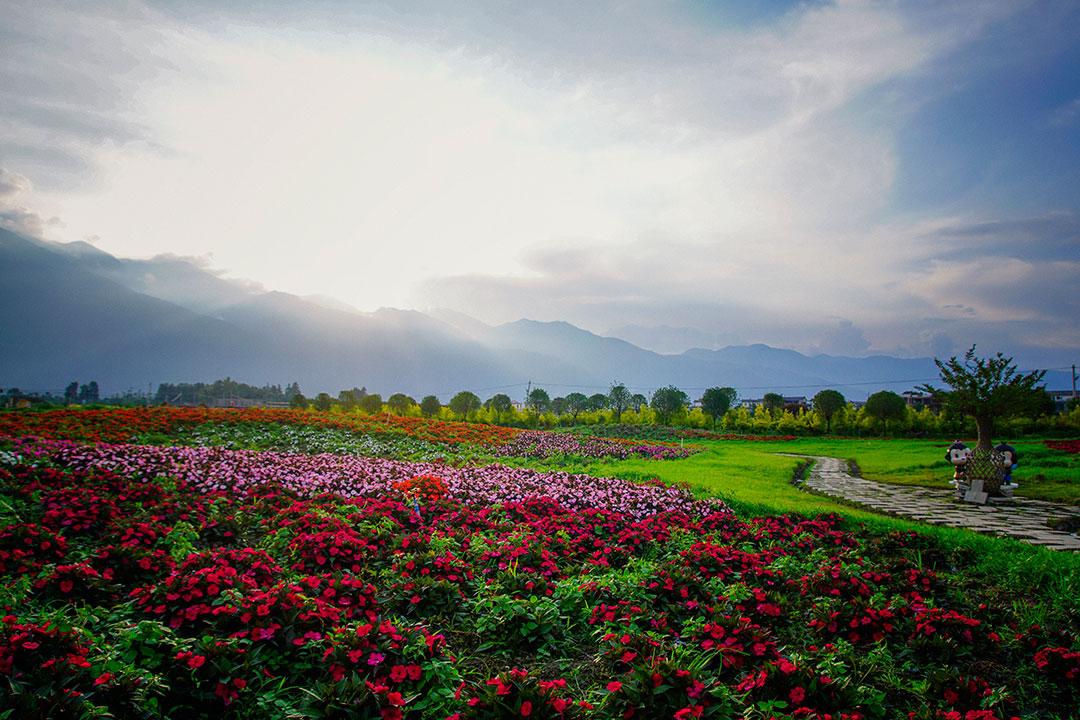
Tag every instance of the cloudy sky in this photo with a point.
(848, 177)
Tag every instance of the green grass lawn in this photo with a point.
(1043, 473)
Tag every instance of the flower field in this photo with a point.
(175, 581)
(1068, 446)
(299, 431)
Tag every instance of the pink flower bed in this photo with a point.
(208, 469)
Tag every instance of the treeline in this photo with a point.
(884, 413)
(222, 391)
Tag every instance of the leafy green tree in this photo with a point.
(716, 401)
(576, 403)
(71, 392)
(430, 406)
(598, 402)
(464, 403)
(826, 404)
(323, 402)
(884, 406)
(619, 399)
(399, 403)
(986, 389)
(558, 405)
(88, 393)
(371, 403)
(297, 400)
(667, 401)
(351, 398)
(291, 391)
(500, 403)
(538, 400)
(773, 402)
(638, 401)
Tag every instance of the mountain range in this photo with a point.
(71, 311)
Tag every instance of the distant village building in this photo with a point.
(796, 403)
(792, 403)
(1060, 398)
(919, 400)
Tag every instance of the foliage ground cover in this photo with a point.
(130, 595)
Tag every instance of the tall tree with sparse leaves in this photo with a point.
(619, 399)
(987, 389)
(576, 403)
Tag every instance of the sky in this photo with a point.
(847, 178)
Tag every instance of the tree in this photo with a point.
(371, 403)
(619, 399)
(350, 398)
(558, 405)
(638, 401)
(598, 402)
(576, 403)
(667, 401)
(297, 400)
(399, 403)
(291, 391)
(89, 393)
(538, 400)
(986, 389)
(323, 402)
(773, 402)
(71, 392)
(464, 403)
(826, 404)
(884, 406)
(500, 403)
(430, 406)
(716, 401)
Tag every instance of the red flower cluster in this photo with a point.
(423, 488)
(1069, 446)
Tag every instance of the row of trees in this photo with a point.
(982, 391)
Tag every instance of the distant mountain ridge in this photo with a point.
(75, 312)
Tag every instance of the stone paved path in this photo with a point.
(1022, 518)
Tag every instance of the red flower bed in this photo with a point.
(120, 424)
(1069, 446)
(123, 591)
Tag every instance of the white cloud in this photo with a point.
(603, 164)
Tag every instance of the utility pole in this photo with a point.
(528, 391)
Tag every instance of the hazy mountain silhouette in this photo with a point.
(75, 312)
